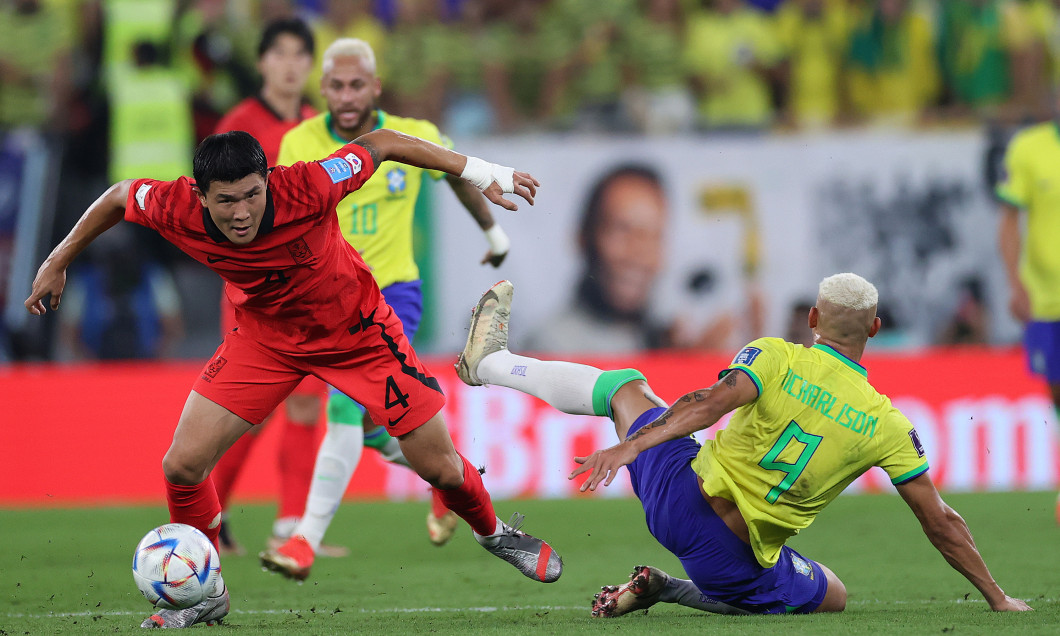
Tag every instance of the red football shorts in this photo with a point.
(379, 370)
(310, 386)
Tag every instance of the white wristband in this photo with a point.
(498, 240)
(482, 174)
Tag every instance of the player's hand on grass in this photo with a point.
(524, 185)
(1010, 604)
(49, 280)
(604, 465)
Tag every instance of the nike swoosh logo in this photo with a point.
(394, 422)
(211, 259)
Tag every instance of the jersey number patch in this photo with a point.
(365, 219)
(394, 396)
(792, 471)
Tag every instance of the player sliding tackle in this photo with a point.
(305, 303)
(806, 424)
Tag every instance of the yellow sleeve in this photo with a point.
(287, 154)
(762, 360)
(902, 454)
(1014, 187)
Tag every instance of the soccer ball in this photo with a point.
(175, 566)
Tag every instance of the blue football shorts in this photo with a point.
(722, 566)
(1041, 341)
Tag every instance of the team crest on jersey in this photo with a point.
(395, 180)
(338, 169)
(801, 566)
(300, 252)
(747, 356)
(213, 368)
(354, 161)
(916, 442)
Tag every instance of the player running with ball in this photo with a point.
(306, 303)
(806, 424)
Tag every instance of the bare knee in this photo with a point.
(835, 599)
(629, 402)
(303, 410)
(182, 470)
(442, 471)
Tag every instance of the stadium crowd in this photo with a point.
(116, 88)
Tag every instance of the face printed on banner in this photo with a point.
(628, 241)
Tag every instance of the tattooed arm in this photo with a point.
(693, 412)
(388, 145)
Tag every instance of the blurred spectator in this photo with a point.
(970, 322)
(150, 119)
(798, 327)
(815, 35)
(416, 51)
(732, 54)
(592, 67)
(468, 110)
(893, 74)
(120, 304)
(523, 73)
(656, 91)
(212, 47)
(35, 42)
(622, 233)
(346, 19)
(986, 48)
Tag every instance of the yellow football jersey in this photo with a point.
(1032, 182)
(377, 219)
(816, 425)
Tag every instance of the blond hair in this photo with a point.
(848, 290)
(349, 47)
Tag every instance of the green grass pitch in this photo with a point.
(66, 571)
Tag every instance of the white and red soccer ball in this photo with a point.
(175, 566)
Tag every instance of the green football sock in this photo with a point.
(608, 384)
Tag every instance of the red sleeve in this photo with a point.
(153, 203)
(337, 175)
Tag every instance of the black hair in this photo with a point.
(594, 202)
(291, 26)
(228, 156)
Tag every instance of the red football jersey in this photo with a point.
(299, 285)
(255, 116)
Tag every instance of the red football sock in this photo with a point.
(471, 501)
(226, 472)
(298, 455)
(438, 508)
(196, 506)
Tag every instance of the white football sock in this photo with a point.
(567, 386)
(339, 454)
(489, 539)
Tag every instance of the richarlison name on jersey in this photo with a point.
(821, 400)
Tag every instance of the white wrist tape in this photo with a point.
(498, 240)
(482, 174)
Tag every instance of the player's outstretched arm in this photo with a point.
(694, 412)
(493, 180)
(948, 532)
(102, 215)
(476, 205)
